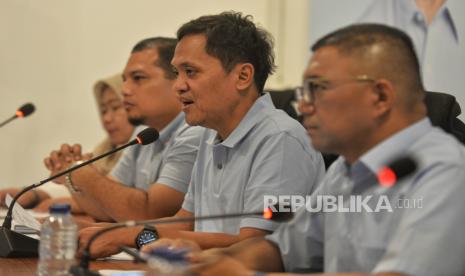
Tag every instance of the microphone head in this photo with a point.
(147, 136)
(25, 110)
(397, 170)
(277, 216)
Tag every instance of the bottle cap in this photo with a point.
(60, 209)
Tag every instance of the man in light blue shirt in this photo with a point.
(363, 99)
(168, 160)
(148, 181)
(250, 149)
(437, 29)
(266, 154)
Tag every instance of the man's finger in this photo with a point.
(77, 152)
(55, 160)
(67, 152)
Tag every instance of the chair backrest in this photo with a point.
(443, 110)
(283, 99)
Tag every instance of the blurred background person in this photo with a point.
(115, 122)
(436, 28)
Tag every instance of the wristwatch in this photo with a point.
(147, 235)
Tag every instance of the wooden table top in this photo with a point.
(28, 266)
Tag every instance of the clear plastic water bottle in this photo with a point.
(163, 262)
(58, 242)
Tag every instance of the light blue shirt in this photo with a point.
(440, 46)
(167, 161)
(268, 153)
(425, 239)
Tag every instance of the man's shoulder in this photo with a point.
(187, 133)
(276, 122)
(437, 146)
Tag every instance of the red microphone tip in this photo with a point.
(19, 114)
(139, 141)
(267, 213)
(386, 177)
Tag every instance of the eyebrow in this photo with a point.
(184, 65)
(314, 77)
(137, 71)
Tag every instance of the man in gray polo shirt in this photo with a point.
(250, 148)
(363, 99)
(148, 181)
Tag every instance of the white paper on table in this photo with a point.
(122, 256)
(21, 216)
(38, 215)
(3, 212)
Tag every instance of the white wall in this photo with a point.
(52, 51)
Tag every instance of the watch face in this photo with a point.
(146, 237)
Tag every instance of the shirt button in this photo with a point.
(219, 166)
(419, 17)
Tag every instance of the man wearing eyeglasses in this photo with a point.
(362, 98)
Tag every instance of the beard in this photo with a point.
(136, 121)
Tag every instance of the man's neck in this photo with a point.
(161, 122)
(429, 8)
(226, 126)
(380, 134)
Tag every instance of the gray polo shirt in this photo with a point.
(167, 161)
(426, 239)
(268, 153)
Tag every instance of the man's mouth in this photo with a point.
(186, 102)
(128, 105)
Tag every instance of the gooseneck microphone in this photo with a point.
(24, 111)
(396, 170)
(83, 268)
(13, 244)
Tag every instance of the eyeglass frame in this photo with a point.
(308, 95)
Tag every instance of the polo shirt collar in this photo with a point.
(395, 146)
(168, 130)
(251, 118)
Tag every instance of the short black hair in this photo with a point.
(399, 58)
(234, 38)
(165, 47)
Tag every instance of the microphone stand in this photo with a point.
(8, 120)
(13, 244)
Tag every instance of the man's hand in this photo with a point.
(27, 200)
(103, 246)
(63, 158)
(12, 192)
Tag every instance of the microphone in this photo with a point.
(83, 268)
(13, 244)
(396, 170)
(24, 111)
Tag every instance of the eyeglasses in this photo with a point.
(312, 86)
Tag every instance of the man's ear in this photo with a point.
(245, 76)
(384, 96)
